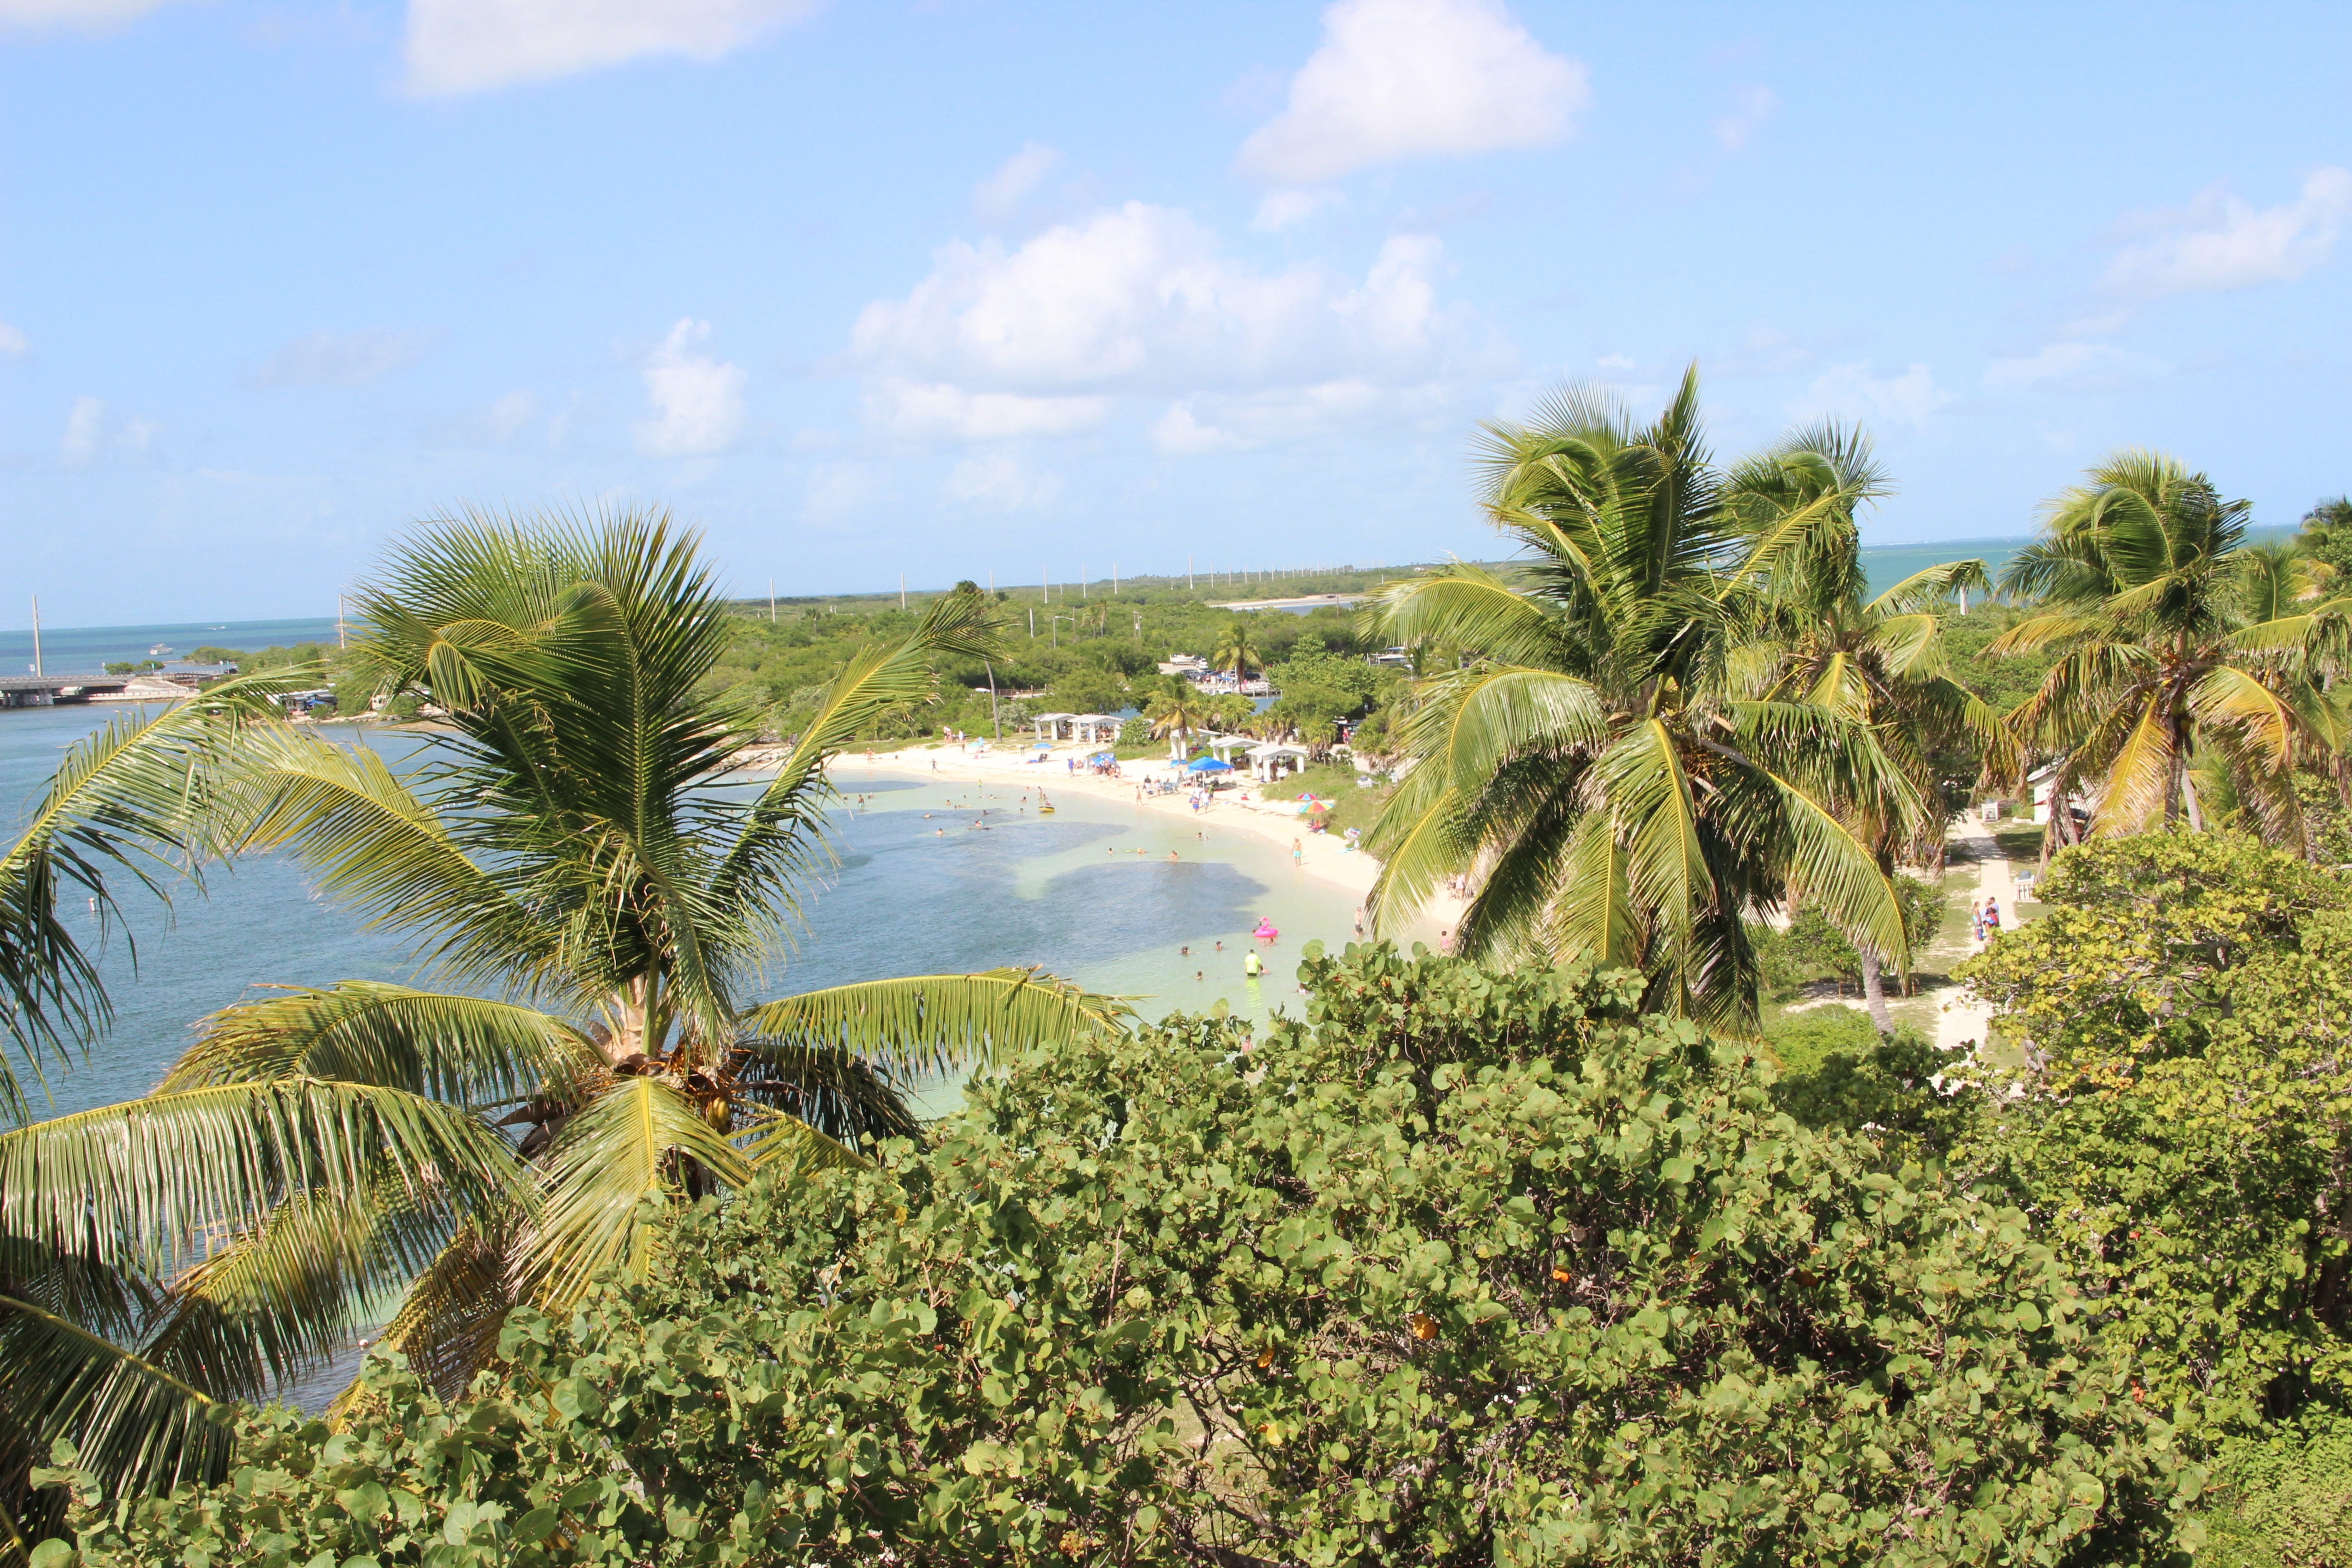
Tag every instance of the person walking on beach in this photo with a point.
(1360, 921)
(1976, 918)
(1992, 918)
(1298, 853)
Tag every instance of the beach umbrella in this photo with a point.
(1210, 765)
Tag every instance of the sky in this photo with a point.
(1018, 289)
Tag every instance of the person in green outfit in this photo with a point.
(1251, 967)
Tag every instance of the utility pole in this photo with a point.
(1032, 623)
(340, 643)
(1045, 585)
(37, 635)
(993, 721)
(1114, 579)
(771, 601)
(1082, 581)
(1188, 573)
(902, 590)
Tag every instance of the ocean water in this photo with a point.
(920, 885)
(87, 650)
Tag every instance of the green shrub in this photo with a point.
(1463, 1268)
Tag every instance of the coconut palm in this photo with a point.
(118, 1333)
(593, 887)
(2177, 647)
(1811, 636)
(1234, 652)
(1595, 762)
(1177, 714)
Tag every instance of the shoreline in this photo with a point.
(1321, 855)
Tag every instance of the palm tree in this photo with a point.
(579, 861)
(1176, 715)
(1811, 638)
(1595, 760)
(2178, 646)
(1234, 652)
(110, 1335)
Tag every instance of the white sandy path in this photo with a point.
(1961, 1018)
(1323, 856)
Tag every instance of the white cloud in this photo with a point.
(1000, 482)
(2073, 367)
(1143, 299)
(697, 400)
(95, 433)
(1278, 210)
(13, 343)
(467, 46)
(91, 14)
(925, 409)
(1750, 108)
(997, 199)
(1218, 422)
(2219, 242)
(1851, 392)
(1403, 79)
(341, 359)
(496, 426)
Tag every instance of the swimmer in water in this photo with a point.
(1171, 854)
(1183, 953)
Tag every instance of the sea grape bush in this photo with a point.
(2187, 1139)
(1461, 1267)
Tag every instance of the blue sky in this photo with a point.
(968, 287)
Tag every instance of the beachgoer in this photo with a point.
(1251, 967)
(1445, 943)
(1360, 920)
(1220, 947)
(1992, 919)
(1171, 854)
(1298, 853)
(1183, 953)
(1196, 974)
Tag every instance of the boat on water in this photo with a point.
(160, 650)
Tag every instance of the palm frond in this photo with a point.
(132, 800)
(611, 1168)
(154, 1180)
(135, 1424)
(935, 1024)
(464, 1049)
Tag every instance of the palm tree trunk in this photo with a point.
(1874, 991)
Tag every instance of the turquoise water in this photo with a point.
(913, 893)
(86, 651)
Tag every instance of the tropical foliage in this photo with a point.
(1463, 1267)
(1628, 770)
(578, 861)
(2180, 1133)
(2190, 668)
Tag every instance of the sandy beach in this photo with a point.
(1243, 810)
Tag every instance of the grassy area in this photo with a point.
(1356, 806)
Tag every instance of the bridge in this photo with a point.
(49, 690)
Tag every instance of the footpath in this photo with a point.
(1961, 1018)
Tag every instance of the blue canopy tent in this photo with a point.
(1210, 765)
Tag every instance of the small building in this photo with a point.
(1184, 664)
(1092, 729)
(1274, 759)
(2043, 782)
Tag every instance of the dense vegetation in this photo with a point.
(1549, 1254)
(1458, 1268)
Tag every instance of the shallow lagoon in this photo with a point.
(918, 888)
